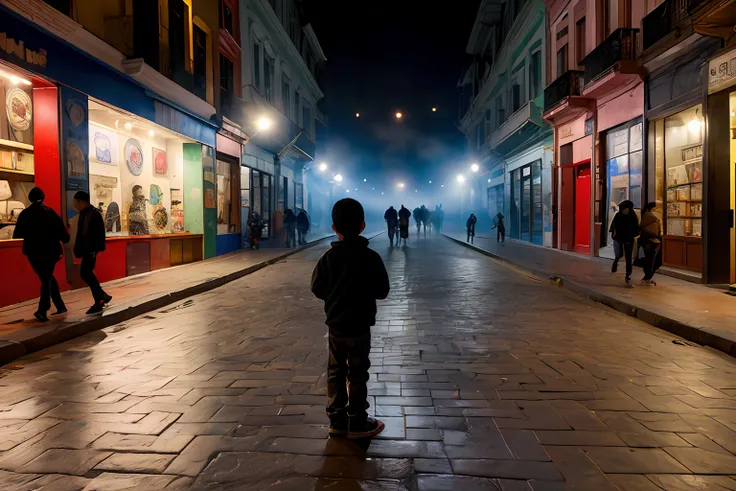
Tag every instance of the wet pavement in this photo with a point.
(487, 380)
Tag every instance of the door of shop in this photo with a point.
(582, 209)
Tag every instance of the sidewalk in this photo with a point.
(695, 312)
(20, 333)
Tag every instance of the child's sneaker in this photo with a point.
(338, 428)
(366, 429)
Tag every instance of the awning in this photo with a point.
(718, 23)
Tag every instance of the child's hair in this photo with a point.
(348, 217)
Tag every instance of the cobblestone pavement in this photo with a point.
(486, 379)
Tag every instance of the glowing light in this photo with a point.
(401, 185)
(430, 182)
(264, 124)
(365, 180)
(442, 185)
(151, 133)
(347, 191)
(128, 126)
(434, 109)
(14, 79)
(694, 125)
(399, 115)
(460, 178)
(357, 115)
(489, 180)
(475, 167)
(381, 192)
(338, 178)
(356, 189)
(322, 167)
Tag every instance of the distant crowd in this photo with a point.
(398, 222)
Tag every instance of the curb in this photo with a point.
(669, 324)
(26, 341)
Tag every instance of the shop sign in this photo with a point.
(588, 126)
(722, 72)
(15, 50)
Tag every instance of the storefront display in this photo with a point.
(16, 147)
(679, 186)
(136, 173)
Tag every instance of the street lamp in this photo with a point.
(322, 167)
(399, 115)
(401, 185)
(460, 179)
(365, 180)
(337, 177)
(430, 182)
(264, 124)
(475, 167)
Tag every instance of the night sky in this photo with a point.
(389, 56)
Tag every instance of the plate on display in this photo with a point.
(134, 156)
(19, 109)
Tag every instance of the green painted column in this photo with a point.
(210, 201)
(193, 189)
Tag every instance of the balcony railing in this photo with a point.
(662, 20)
(568, 84)
(618, 47)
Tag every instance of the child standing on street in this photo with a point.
(350, 277)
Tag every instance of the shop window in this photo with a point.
(624, 172)
(299, 195)
(526, 214)
(245, 204)
(16, 148)
(137, 174)
(683, 169)
(228, 193)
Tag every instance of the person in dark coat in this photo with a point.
(43, 232)
(255, 226)
(650, 240)
(350, 277)
(392, 221)
(470, 225)
(290, 226)
(302, 226)
(404, 216)
(417, 215)
(89, 242)
(624, 229)
(424, 216)
(498, 224)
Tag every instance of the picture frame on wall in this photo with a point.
(103, 145)
(160, 163)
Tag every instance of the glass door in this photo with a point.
(537, 212)
(526, 204)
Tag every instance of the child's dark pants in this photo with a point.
(347, 376)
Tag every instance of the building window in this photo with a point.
(562, 60)
(500, 112)
(226, 75)
(286, 94)
(580, 40)
(307, 122)
(257, 66)
(268, 66)
(515, 98)
(227, 18)
(296, 107)
(535, 75)
(488, 124)
(200, 62)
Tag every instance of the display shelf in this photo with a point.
(16, 172)
(11, 145)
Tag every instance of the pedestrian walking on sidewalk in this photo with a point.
(302, 226)
(498, 224)
(89, 242)
(624, 229)
(424, 216)
(404, 216)
(350, 277)
(290, 226)
(470, 225)
(392, 221)
(417, 215)
(43, 232)
(255, 227)
(650, 239)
